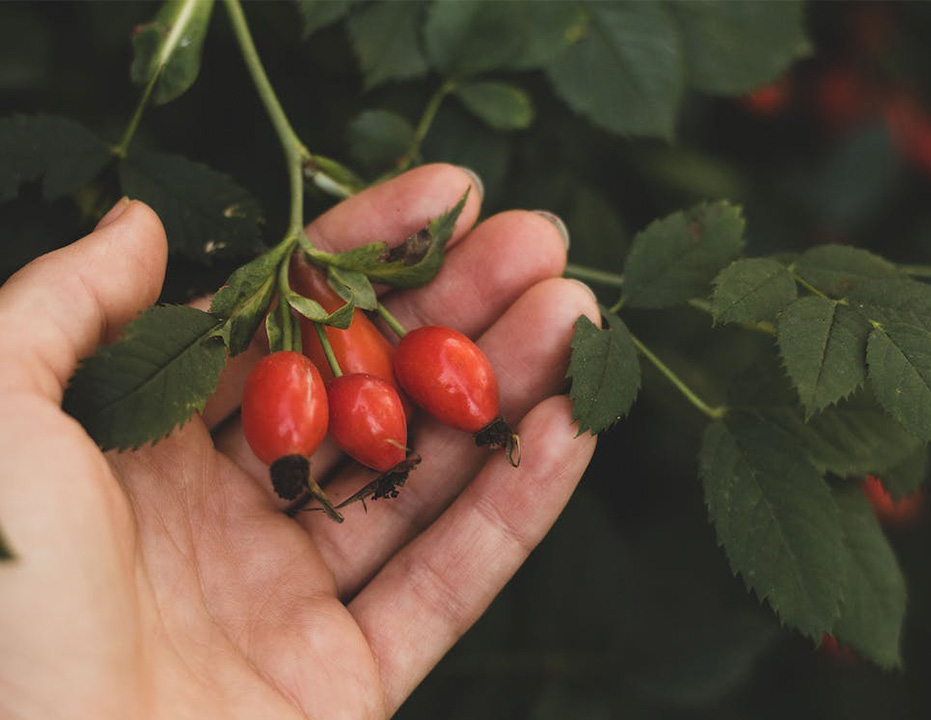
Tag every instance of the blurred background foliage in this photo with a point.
(628, 609)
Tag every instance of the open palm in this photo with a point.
(167, 582)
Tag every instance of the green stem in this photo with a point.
(121, 149)
(713, 413)
(296, 154)
(598, 276)
(922, 271)
(426, 120)
(807, 285)
(328, 350)
(391, 320)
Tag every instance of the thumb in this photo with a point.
(59, 307)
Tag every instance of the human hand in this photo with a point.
(167, 582)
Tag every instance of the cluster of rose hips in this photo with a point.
(291, 400)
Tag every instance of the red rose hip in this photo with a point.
(367, 420)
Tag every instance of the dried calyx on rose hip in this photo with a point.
(447, 375)
(284, 419)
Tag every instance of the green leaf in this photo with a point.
(170, 48)
(312, 310)
(873, 608)
(823, 345)
(605, 374)
(274, 332)
(546, 30)
(413, 263)
(317, 14)
(246, 297)
(676, 258)
(62, 152)
(752, 290)
(777, 521)
(906, 476)
(625, 74)
(353, 285)
(6, 553)
(385, 39)
(204, 212)
(499, 105)
(379, 138)
(894, 300)
(467, 37)
(152, 379)
(733, 47)
(836, 270)
(899, 358)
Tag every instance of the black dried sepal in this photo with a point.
(289, 476)
(498, 434)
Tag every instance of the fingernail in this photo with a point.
(476, 180)
(114, 213)
(557, 221)
(587, 288)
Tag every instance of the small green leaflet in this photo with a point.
(317, 14)
(894, 300)
(625, 73)
(823, 345)
(873, 607)
(379, 138)
(152, 379)
(777, 521)
(752, 290)
(605, 373)
(732, 47)
(413, 263)
(676, 258)
(170, 48)
(836, 270)
(351, 285)
(62, 152)
(204, 212)
(312, 310)
(385, 40)
(5, 552)
(899, 358)
(499, 105)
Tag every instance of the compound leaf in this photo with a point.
(605, 373)
(676, 258)
(873, 607)
(625, 72)
(499, 105)
(823, 345)
(899, 358)
(777, 521)
(62, 152)
(170, 48)
(152, 379)
(204, 212)
(752, 290)
(385, 40)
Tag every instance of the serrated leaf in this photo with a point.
(385, 40)
(849, 439)
(413, 263)
(836, 270)
(149, 381)
(625, 73)
(204, 212)
(318, 14)
(733, 47)
(823, 345)
(906, 476)
(546, 30)
(676, 258)
(353, 285)
(777, 521)
(170, 48)
(62, 152)
(752, 290)
(246, 297)
(605, 373)
(499, 105)
(312, 310)
(873, 607)
(379, 138)
(467, 38)
(894, 300)
(899, 358)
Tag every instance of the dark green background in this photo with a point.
(628, 609)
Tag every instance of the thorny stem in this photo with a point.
(328, 350)
(426, 120)
(391, 320)
(713, 413)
